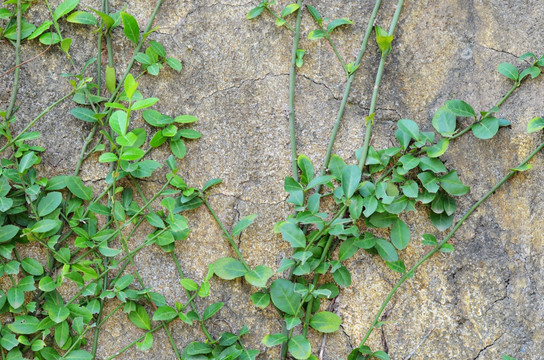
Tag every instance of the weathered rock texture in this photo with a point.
(482, 301)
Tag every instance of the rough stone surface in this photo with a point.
(481, 302)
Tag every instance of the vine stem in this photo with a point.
(412, 270)
(292, 82)
(349, 83)
(48, 109)
(279, 18)
(15, 88)
(374, 100)
(468, 128)
(227, 234)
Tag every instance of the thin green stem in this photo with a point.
(292, 85)
(368, 134)
(227, 234)
(468, 128)
(279, 18)
(337, 54)
(412, 270)
(349, 83)
(15, 87)
(191, 298)
(135, 341)
(48, 109)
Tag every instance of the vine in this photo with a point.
(85, 232)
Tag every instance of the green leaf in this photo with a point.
(5, 204)
(533, 71)
(325, 322)
(111, 80)
(16, 297)
(119, 122)
(384, 40)
(27, 161)
(174, 63)
(438, 149)
(81, 17)
(299, 347)
(293, 234)
(64, 8)
(189, 134)
(284, 297)
(446, 248)
(210, 183)
(386, 250)
(228, 268)
(397, 266)
(342, 276)
(44, 226)
(8, 341)
(400, 234)
(409, 127)
(185, 119)
(24, 324)
(130, 86)
(131, 29)
(261, 300)
(536, 124)
(76, 187)
(444, 121)
(336, 23)
(49, 203)
(142, 104)
(259, 276)
(432, 164)
(178, 148)
(47, 284)
(84, 114)
(147, 342)
(132, 154)
(40, 29)
(317, 34)
(508, 70)
(78, 355)
(108, 157)
(429, 181)
(243, 224)
(256, 11)
(351, 177)
(315, 14)
(26, 29)
(522, 168)
(380, 355)
(486, 129)
(140, 318)
(32, 266)
(165, 313)
(460, 108)
(158, 48)
(429, 239)
(211, 310)
(441, 221)
(453, 185)
(58, 313)
(383, 220)
(8, 232)
(50, 38)
(289, 9)
(274, 339)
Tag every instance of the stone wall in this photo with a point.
(480, 302)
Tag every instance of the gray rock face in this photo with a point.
(483, 301)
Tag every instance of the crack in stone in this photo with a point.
(497, 50)
(488, 346)
(237, 86)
